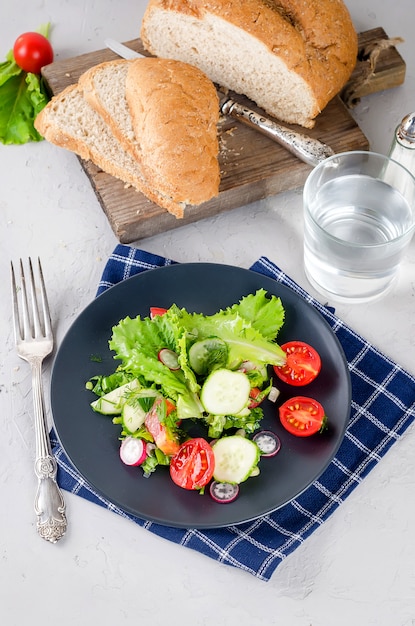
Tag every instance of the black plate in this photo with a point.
(91, 440)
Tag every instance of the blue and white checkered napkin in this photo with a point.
(383, 406)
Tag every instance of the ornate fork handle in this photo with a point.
(49, 502)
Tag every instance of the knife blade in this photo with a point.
(306, 148)
(123, 51)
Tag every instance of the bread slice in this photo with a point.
(290, 57)
(70, 122)
(103, 87)
(175, 111)
(165, 114)
(93, 119)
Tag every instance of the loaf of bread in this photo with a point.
(166, 147)
(291, 57)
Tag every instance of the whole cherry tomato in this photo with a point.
(32, 51)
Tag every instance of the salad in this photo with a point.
(179, 369)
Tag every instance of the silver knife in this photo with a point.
(307, 149)
(123, 51)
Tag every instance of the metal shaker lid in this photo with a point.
(406, 131)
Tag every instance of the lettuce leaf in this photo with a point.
(249, 423)
(22, 97)
(101, 385)
(137, 342)
(248, 328)
(9, 68)
(265, 314)
(244, 342)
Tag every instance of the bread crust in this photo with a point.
(175, 111)
(315, 39)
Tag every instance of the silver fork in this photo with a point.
(34, 342)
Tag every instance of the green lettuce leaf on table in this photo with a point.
(22, 97)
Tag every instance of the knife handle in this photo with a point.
(310, 150)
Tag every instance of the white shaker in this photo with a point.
(403, 144)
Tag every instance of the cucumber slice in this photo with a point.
(133, 416)
(225, 392)
(236, 459)
(206, 354)
(111, 403)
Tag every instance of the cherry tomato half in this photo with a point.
(32, 51)
(302, 416)
(302, 366)
(192, 467)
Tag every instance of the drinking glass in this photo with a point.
(359, 218)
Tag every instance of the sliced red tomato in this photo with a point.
(192, 467)
(157, 310)
(302, 416)
(163, 438)
(302, 366)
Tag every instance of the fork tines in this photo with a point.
(30, 324)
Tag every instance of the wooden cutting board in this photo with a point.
(252, 166)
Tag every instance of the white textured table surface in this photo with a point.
(356, 569)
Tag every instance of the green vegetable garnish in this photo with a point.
(22, 96)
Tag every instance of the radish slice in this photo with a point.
(169, 358)
(268, 443)
(133, 451)
(224, 493)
